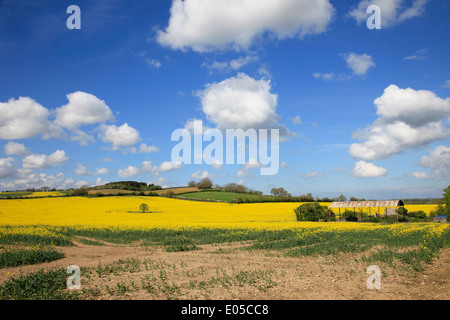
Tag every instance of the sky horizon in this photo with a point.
(361, 112)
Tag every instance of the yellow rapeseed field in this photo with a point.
(164, 213)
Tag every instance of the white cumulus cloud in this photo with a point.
(242, 102)
(438, 161)
(42, 161)
(392, 11)
(202, 175)
(227, 66)
(14, 148)
(83, 109)
(6, 168)
(25, 118)
(365, 169)
(408, 119)
(123, 136)
(206, 25)
(359, 63)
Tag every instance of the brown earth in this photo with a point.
(225, 271)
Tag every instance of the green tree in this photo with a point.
(447, 196)
(192, 184)
(205, 184)
(143, 207)
(169, 193)
(446, 209)
(80, 192)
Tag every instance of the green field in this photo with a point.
(4, 195)
(219, 195)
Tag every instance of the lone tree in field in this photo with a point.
(144, 207)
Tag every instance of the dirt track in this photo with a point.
(226, 272)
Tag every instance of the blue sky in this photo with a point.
(363, 112)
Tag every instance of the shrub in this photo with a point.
(79, 192)
(313, 212)
(169, 193)
(418, 214)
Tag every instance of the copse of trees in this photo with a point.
(280, 192)
(205, 183)
(239, 188)
(79, 192)
(130, 185)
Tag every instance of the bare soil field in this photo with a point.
(226, 272)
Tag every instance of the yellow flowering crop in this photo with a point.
(163, 213)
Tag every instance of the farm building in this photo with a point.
(379, 208)
(440, 218)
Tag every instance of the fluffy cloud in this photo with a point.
(82, 109)
(25, 118)
(438, 161)
(123, 136)
(359, 63)
(202, 175)
(129, 172)
(206, 25)
(416, 108)
(392, 11)
(420, 175)
(153, 63)
(227, 66)
(408, 119)
(364, 169)
(168, 166)
(28, 179)
(42, 161)
(82, 171)
(147, 167)
(144, 148)
(324, 76)
(6, 168)
(14, 148)
(242, 102)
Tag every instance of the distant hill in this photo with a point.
(128, 185)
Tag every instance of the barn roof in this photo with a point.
(367, 204)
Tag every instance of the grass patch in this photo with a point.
(218, 195)
(40, 285)
(20, 257)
